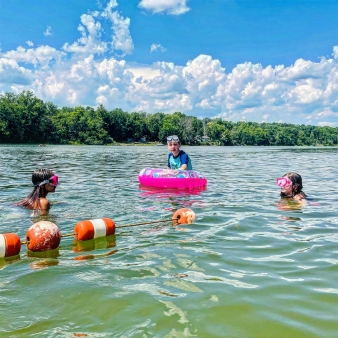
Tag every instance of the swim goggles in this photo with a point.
(283, 182)
(172, 138)
(53, 180)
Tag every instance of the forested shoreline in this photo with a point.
(26, 119)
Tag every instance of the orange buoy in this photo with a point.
(184, 216)
(94, 228)
(43, 236)
(10, 245)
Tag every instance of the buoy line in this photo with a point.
(46, 236)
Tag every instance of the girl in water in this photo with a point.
(291, 185)
(44, 182)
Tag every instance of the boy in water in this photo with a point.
(177, 159)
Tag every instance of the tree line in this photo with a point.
(24, 118)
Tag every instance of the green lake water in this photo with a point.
(250, 266)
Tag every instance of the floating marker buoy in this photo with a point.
(94, 228)
(184, 216)
(43, 236)
(10, 245)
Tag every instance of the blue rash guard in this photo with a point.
(177, 162)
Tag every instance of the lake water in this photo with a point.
(250, 265)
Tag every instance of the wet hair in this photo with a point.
(32, 201)
(297, 184)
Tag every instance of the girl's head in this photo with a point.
(44, 181)
(41, 177)
(291, 184)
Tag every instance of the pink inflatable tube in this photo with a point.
(176, 179)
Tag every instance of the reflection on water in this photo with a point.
(94, 244)
(290, 204)
(266, 265)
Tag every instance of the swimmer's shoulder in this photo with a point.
(44, 203)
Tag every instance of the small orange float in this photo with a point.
(43, 236)
(184, 216)
(94, 228)
(10, 245)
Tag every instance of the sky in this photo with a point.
(241, 60)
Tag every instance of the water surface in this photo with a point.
(250, 266)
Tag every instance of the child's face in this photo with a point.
(173, 147)
(287, 189)
(50, 187)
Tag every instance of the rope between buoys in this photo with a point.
(123, 226)
(135, 224)
(144, 223)
(68, 235)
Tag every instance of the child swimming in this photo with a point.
(44, 181)
(291, 185)
(177, 159)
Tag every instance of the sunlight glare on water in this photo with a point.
(250, 266)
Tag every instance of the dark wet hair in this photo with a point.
(297, 183)
(32, 201)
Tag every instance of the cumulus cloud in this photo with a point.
(174, 7)
(91, 31)
(40, 56)
(305, 92)
(335, 52)
(30, 43)
(89, 42)
(121, 39)
(156, 47)
(85, 82)
(12, 74)
(48, 31)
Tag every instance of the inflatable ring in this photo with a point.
(169, 178)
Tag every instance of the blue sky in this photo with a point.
(271, 60)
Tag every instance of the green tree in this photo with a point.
(154, 125)
(80, 126)
(136, 125)
(170, 126)
(117, 124)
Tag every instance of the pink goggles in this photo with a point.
(283, 182)
(53, 180)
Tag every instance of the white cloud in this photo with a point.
(201, 87)
(48, 31)
(91, 31)
(155, 47)
(121, 40)
(30, 43)
(335, 52)
(327, 124)
(174, 7)
(89, 42)
(12, 74)
(41, 55)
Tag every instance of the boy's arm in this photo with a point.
(184, 161)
